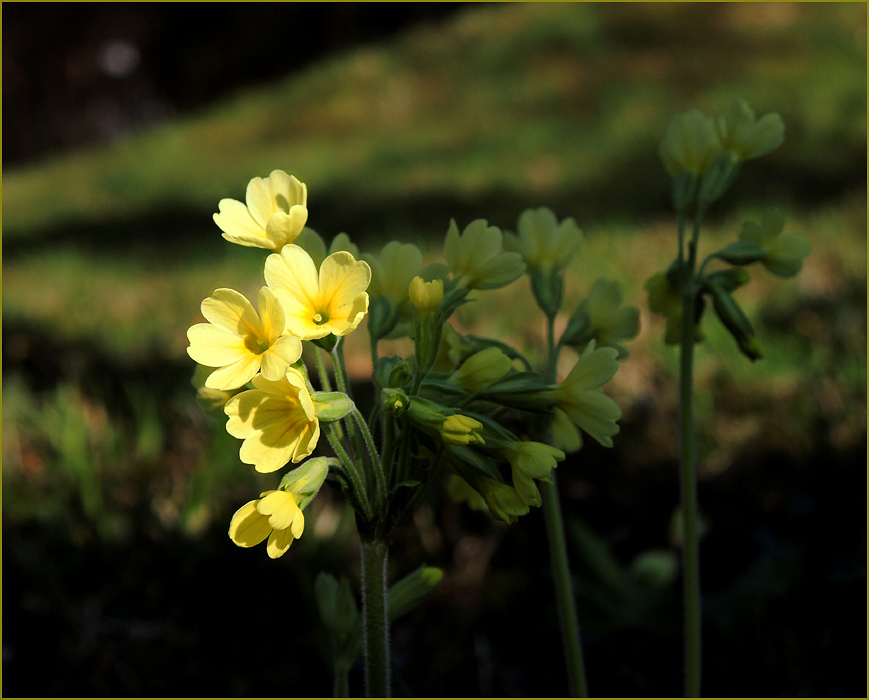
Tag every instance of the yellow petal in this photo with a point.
(213, 346)
(228, 309)
(271, 314)
(238, 225)
(248, 527)
(282, 508)
(284, 228)
(346, 318)
(235, 375)
(260, 199)
(279, 543)
(342, 278)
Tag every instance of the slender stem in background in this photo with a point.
(567, 615)
(342, 680)
(325, 384)
(376, 621)
(688, 468)
(343, 381)
(373, 457)
(349, 466)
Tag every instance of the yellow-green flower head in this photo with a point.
(530, 461)
(274, 515)
(542, 242)
(426, 296)
(785, 254)
(276, 420)
(461, 430)
(610, 322)
(460, 491)
(241, 343)
(275, 214)
(581, 398)
(746, 137)
(689, 144)
(315, 305)
(481, 369)
(392, 270)
(505, 502)
(313, 244)
(475, 256)
(665, 299)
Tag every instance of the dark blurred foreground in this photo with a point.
(138, 607)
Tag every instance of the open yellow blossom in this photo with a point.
(542, 242)
(277, 422)
(689, 144)
(475, 256)
(274, 515)
(745, 136)
(581, 398)
(241, 343)
(274, 216)
(315, 305)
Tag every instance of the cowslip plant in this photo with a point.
(459, 406)
(703, 155)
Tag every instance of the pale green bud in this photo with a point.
(331, 406)
(735, 320)
(395, 401)
(305, 481)
(426, 296)
(481, 369)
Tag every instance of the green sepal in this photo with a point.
(729, 280)
(327, 342)
(579, 330)
(548, 289)
(526, 390)
(305, 481)
(382, 317)
(394, 401)
(685, 186)
(496, 437)
(330, 406)
(467, 462)
(409, 592)
(718, 178)
(742, 253)
(735, 320)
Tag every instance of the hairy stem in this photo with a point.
(376, 620)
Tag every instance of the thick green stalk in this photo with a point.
(688, 468)
(376, 619)
(567, 615)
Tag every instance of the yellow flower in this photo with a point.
(480, 369)
(530, 461)
(609, 322)
(277, 422)
(581, 398)
(542, 242)
(475, 257)
(426, 296)
(744, 136)
(502, 500)
(461, 430)
(689, 144)
(392, 270)
(275, 515)
(784, 254)
(461, 491)
(315, 305)
(275, 214)
(238, 342)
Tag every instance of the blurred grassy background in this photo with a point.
(118, 488)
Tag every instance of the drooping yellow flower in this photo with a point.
(475, 256)
(335, 301)
(542, 242)
(502, 500)
(481, 368)
(274, 216)
(530, 461)
(581, 398)
(277, 422)
(241, 343)
(274, 515)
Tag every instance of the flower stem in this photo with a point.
(567, 615)
(374, 610)
(342, 680)
(688, 469)
(564, 590)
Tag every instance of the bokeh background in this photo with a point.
(124, 124)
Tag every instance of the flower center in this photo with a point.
(320, 318)
(256, 344)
